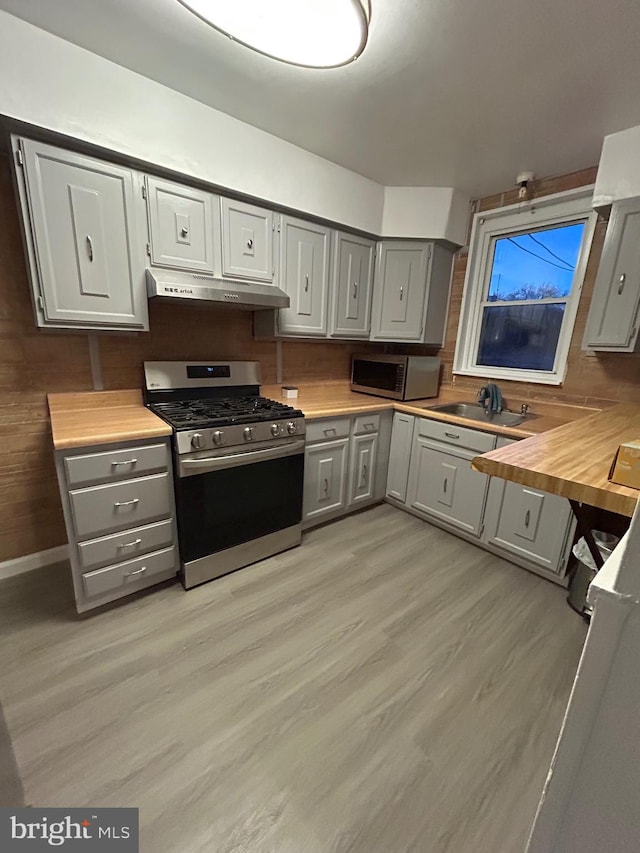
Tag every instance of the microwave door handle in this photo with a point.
(202, 465)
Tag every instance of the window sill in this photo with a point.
(510, 375)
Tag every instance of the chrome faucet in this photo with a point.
(524, 408)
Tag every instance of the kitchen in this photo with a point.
(39, 363)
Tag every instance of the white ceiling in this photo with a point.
(447, 92)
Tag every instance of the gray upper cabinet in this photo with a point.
(247, 241)
(613, 317)
(352, 280)
(411, 292)
(304, 275)
(84, 241)
(180, 225)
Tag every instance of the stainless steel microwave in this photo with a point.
(401, 377)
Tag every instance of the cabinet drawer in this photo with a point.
(115, 464)
(364, 424)
(138, 573)
(115, 506)
(454, 434)
(325, 430)
(125, 545)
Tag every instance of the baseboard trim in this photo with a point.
(20, 565)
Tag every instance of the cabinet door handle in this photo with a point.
(355, 289)
(137, 572)
(250, 243)
(132, 502)
(527, 518)
(326, 486)
(90, 247)
(452, 435)
(184, 232)
(130, 544)
(444, 487)
(125, 462)
(621, 283)
(401, 293)
(363, 478)
(306, 284)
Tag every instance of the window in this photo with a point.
(524, 276)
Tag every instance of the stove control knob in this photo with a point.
(291, 428)
(218, 437)
(248, 433)
(197, 441)
(275, 429)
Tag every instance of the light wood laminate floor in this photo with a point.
(384, 688)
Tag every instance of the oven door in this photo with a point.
(247, 504)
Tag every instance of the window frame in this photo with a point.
(489, 225)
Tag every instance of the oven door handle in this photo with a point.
(234, 460)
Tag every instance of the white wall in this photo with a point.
(421, 211)
(54, 84)
(619, 169)
(591, 801)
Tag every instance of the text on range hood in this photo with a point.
(205, 288)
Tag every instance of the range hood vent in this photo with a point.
(250, 295)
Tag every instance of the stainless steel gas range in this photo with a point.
(239, 464)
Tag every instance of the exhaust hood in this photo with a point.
(250, 295)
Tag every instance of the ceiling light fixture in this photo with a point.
(312, 33)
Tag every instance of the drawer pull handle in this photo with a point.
(330, 431)
(369, 426)
(137, 572)
(527, 518)
(452, 435)
(621, 283)
(130, 544)
(132, 502)
(125, 462)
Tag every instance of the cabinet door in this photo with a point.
(181, 226)
(399, 291)
(364, 449)
(442, 483)
(399, 456)
(612, 321)
(527, 522)
(90, 266)
(247, 241)
(325, 476)
(351, 287)
(304, 275)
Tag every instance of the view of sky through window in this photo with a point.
(535, 264)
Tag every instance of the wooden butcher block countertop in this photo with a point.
(572, 460)
(331, 399)
(101, 417)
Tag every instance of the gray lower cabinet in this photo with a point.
(400, 456)
(119, 513)
(181, 225)
(351, 287)
(84, 242)
(528, 523)
(346, 461)
(442, 483)
(304, 275)
(612, 325)
(431, 476)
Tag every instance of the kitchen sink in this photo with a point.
(476, 412)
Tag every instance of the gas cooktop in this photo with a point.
(217, 412)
